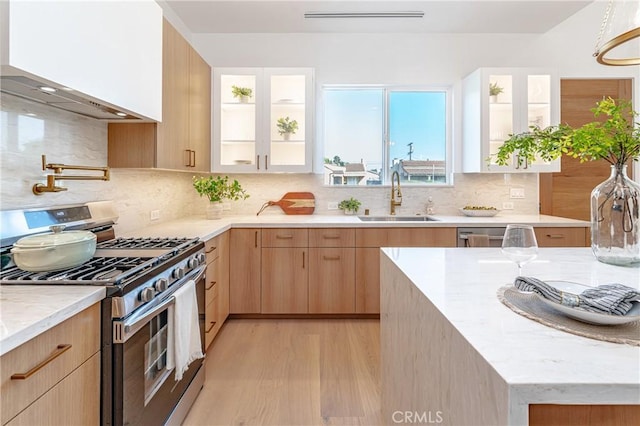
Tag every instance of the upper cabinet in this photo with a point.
(498, 102)
(262, 120)
(102, 51)
(183, 140)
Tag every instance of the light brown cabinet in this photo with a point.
(245, 247)
(562, 237)
(62, 369)
(367, 269)
(332, 280)
(182, 141)
(216, 286)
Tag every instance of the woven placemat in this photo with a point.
(528, 305)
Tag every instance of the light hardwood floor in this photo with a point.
(292, 372)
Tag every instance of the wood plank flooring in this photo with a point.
(292, 372)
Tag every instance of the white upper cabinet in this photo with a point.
(109, 52)
(247, 135)
(525, 97)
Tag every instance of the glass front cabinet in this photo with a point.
(262, 120)
(498, 102)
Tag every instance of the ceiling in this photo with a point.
(440, 16)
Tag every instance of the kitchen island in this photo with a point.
(452, 353)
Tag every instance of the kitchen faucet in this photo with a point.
(395, 192)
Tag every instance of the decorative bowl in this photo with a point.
(479, 213)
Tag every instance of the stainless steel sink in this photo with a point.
(397, 219)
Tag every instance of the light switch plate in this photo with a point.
(332, 205)
(154, 214)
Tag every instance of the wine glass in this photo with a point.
(519, 244)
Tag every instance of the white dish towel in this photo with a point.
(183, 341)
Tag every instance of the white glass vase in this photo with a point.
(214, 210)
(615, 219)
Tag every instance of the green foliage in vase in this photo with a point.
(219, 188)
(241, 91)
(350, 205)
(494, 89)
(616, 139)
(286, 125)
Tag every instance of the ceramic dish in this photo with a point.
(586, 316)
(479, 213)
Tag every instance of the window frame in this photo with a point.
(387, 89)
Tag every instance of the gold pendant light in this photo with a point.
(620, 30)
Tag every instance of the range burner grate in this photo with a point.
(142, 243)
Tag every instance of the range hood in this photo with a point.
(62, 98)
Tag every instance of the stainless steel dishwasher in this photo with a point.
(495, 235)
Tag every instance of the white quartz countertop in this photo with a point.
(198, 226)
(540, 364)
(27, 310)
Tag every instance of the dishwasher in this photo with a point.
(495, 235)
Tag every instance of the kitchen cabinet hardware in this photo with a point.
(331, 257)
(211, 286)
(211, 249)
(303, 255)
(555, 236)
(39, 189)
(213, 324)
(60, 349)
(331, 237)
(258, 162)
(266, 162)
(284, 237)
(191, 158)
(256, 240)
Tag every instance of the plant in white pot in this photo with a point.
(286, 127)
(494, 91)
(242, 93)
(218, 189)
(615, 203)
(350, 206)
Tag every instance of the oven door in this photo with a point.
(144, 391)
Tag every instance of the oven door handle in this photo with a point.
(125, 329)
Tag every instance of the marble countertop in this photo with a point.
(198, 226)
(540, 364)
(25, 313)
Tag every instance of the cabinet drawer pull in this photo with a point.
(187, 158)
(284, 237)
(256, 239)
(62, 348)
(555, 236)
(258, 162)
(331, 237)
(213, 324)
(212, 249)
(211, 286)
(331, 257)
(303, 260)
(192, 164)
(266, 162)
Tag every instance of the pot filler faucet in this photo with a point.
(395, 192)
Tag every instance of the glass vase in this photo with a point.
(214, 210)
(615, 219)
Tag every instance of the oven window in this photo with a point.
(155, 358)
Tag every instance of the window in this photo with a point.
(371, 132)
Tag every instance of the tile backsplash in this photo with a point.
(29, 130)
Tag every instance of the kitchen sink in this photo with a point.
(397, 219)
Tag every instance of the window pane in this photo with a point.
(353, 136)
(418, 136)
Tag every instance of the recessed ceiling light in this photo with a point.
(405, 14)
(67, 89)
(121, 114)
(47, 89)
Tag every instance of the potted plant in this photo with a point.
(615, 203)
(286, 127)
(494, 91)
(350, 206)
(242, 93)
(218, 189)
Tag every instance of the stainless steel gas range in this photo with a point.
(141, 276)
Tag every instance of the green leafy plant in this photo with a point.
(219, 188)
(350, 205)
(494, 89)
(615, 139)
(286, 125)
(238, 92)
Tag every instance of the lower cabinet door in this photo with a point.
(332, 288)
(73, 401)
(285, 280)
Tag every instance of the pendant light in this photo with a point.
(619, 36)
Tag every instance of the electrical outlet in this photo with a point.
(516, 193)
(507, 205)
(332, 205)
(154, 214)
